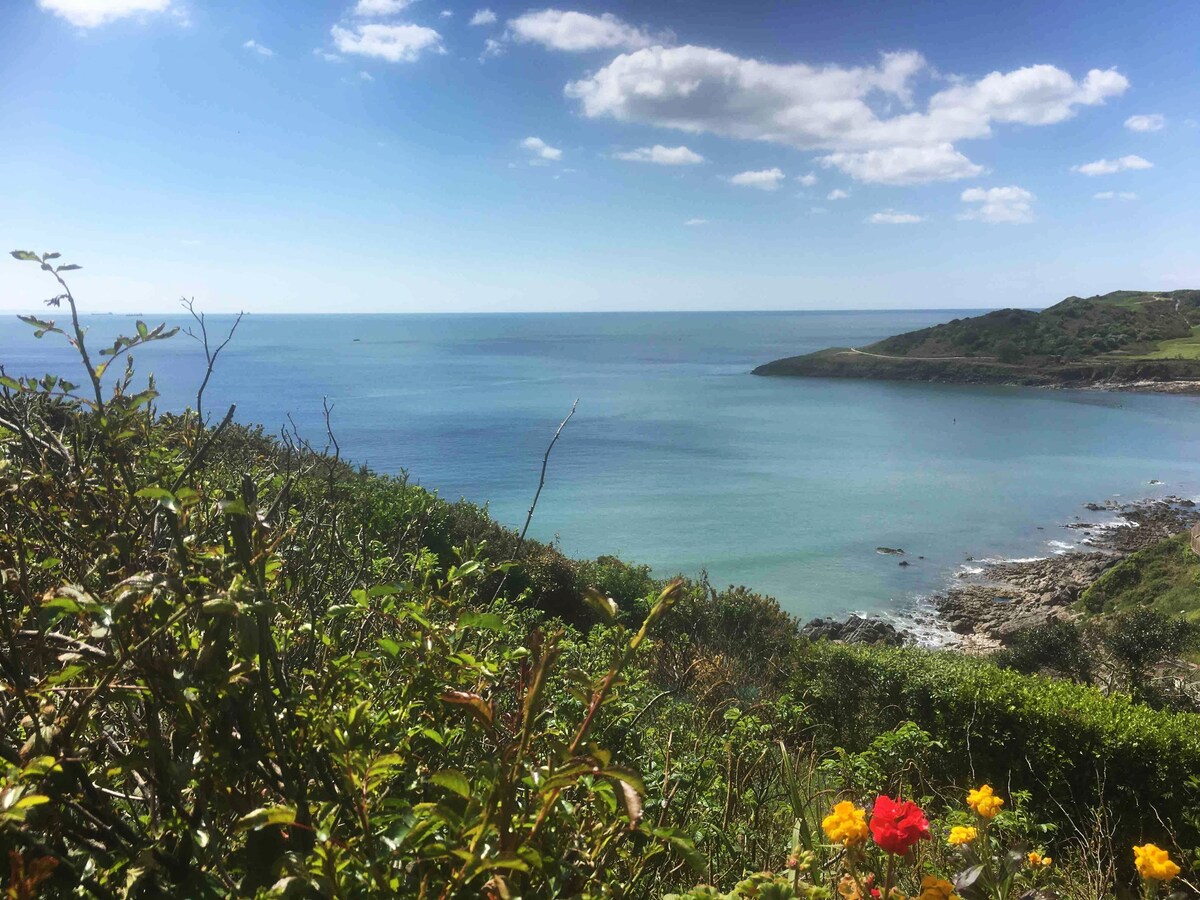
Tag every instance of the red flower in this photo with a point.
(897, 825)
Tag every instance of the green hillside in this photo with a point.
(1125, 336)
(1124, 322)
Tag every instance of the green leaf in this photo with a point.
(482, 621)
(68, 268)
(10, 383)
(452, 781)
(606, 606)
(265, 816)
(162, 495)
(25, 256)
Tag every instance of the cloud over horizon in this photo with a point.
(704, 90)
(1011, 205)
(1111, 166)
(663, 156)
(393, 43)
(576, 32)
(763, 179)
(94, 13)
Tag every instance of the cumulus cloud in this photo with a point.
(365, 76)
(1002, 204)
(836, 194)
(1109, 166)
(807, 180)
(904, 165)
(258, 48)
(446, 14)
(491, 48)
(541, 149)
(394, 43)
(1150, 122)
(695, 222)
(94, 13)
(321, 53)
(483, 17)
(575, 32)
(892, 217)
(663, 156)
(379, 8)
(833, 108)
(764, 179)
(1115, 195)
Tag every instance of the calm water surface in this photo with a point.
(677, 456)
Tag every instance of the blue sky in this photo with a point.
(384, 155)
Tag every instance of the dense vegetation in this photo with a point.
(238, 666)
(1126, 321)
(1124, 335)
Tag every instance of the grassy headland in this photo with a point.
(1119, 340)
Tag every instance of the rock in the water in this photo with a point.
(854, 630)
(893, 551)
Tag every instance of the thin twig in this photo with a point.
(542, 479)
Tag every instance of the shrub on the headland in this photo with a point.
(235, 666)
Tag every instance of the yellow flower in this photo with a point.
(1153, 863)
(935, 889)
(961, 834)
(984, 801)
(846, 825)
(1037, 861)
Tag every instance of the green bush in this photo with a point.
(1074, 748)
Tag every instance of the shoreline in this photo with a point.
(991, 599)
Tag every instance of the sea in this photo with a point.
(677, 456)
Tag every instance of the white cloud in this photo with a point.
(904, 165)
(1109, 166)
(764, 180)
(366, 76)
(700, 89)
(663, 156)
(491, 48)
(376, 8)
(575, 32)
(1003, 204)
(258, 48)
(1151, 122)
(446, 14)
(1115, 195)
(694, 222)
(483, 17)
(836, 194)
(93, 13)
(892, 217)
(539, 147)
(326, 55)
(394, 43)
(807, 180)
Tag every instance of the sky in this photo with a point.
(429, 156)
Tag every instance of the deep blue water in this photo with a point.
(677, 456)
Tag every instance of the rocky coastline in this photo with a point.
(992, 600)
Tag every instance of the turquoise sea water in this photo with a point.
(677, 456)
